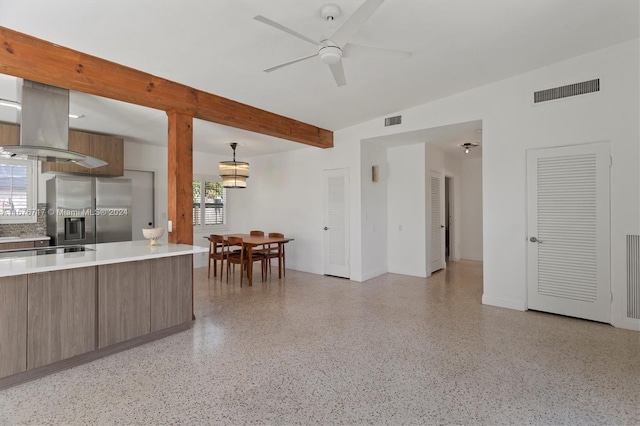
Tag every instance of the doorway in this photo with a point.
(336, 223)
(436, 186)
(568, 258)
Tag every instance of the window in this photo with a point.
(18, 191)
(209, 203)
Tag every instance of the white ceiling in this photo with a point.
(218, 47)
(448, 138)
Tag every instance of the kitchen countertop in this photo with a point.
(34, 237)
(104, 254)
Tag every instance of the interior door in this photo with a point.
(336, 222)
(142, 201)
(568, 231)
(437, 247)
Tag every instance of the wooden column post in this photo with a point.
(179, 186)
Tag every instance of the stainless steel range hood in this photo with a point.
(44, 130)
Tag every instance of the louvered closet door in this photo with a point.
(437, 222)
(336, 223)
(568, 231)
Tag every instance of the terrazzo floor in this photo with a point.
(310, 349)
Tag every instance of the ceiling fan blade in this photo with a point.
(351, 50)
(285, 29)
(338, 73)
(355, 21)
(290, 62)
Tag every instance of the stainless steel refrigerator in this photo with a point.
(86, 210)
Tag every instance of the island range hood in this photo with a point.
(44, 127)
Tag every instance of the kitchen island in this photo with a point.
(60, 310)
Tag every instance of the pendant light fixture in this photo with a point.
(234, 173)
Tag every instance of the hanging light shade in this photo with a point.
(234, 173)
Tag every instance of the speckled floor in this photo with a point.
(318, 350)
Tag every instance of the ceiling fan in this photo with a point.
(337, 46)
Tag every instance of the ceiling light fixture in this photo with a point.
(467, 146)
(16, 105)
(234, 173)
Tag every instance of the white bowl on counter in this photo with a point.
(153, 234)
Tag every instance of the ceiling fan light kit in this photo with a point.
(330, 54)
(467, 146)
(332, 50)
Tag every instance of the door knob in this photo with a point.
(534, 240)
(325, 228)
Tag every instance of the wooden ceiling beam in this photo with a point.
(35, 59)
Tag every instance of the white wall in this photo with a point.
(471, 215)
(512, 125)
(406, 211)
(285, 190)
(284, 194)
(374, 219)
(149, 158)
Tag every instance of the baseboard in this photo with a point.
(626, 323)
(474, 258)
(416, 273)
(518, 305)
(370, 275)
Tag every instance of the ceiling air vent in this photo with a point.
(393, 121)
(566, 91)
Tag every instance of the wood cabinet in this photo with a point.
(13, 325)
(24, 244)
(171, 299)
(104, 147)
(16, 245)
(42, 243)
(107, 148)
(48, 317)
(9, 134)
(111, 150)
(123, 301)
(61, 315)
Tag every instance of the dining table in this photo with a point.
(249, 242)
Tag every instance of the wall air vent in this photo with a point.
(567, 91)
(393, 121)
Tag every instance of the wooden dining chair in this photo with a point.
(275, 251)
(240, 258)
(257, 233)
(216, 252)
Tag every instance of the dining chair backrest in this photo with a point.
(275, 251)
(257, 233)
(234, 241)
(215, 242)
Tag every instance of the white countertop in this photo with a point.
(24, 238)
(104, 254)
